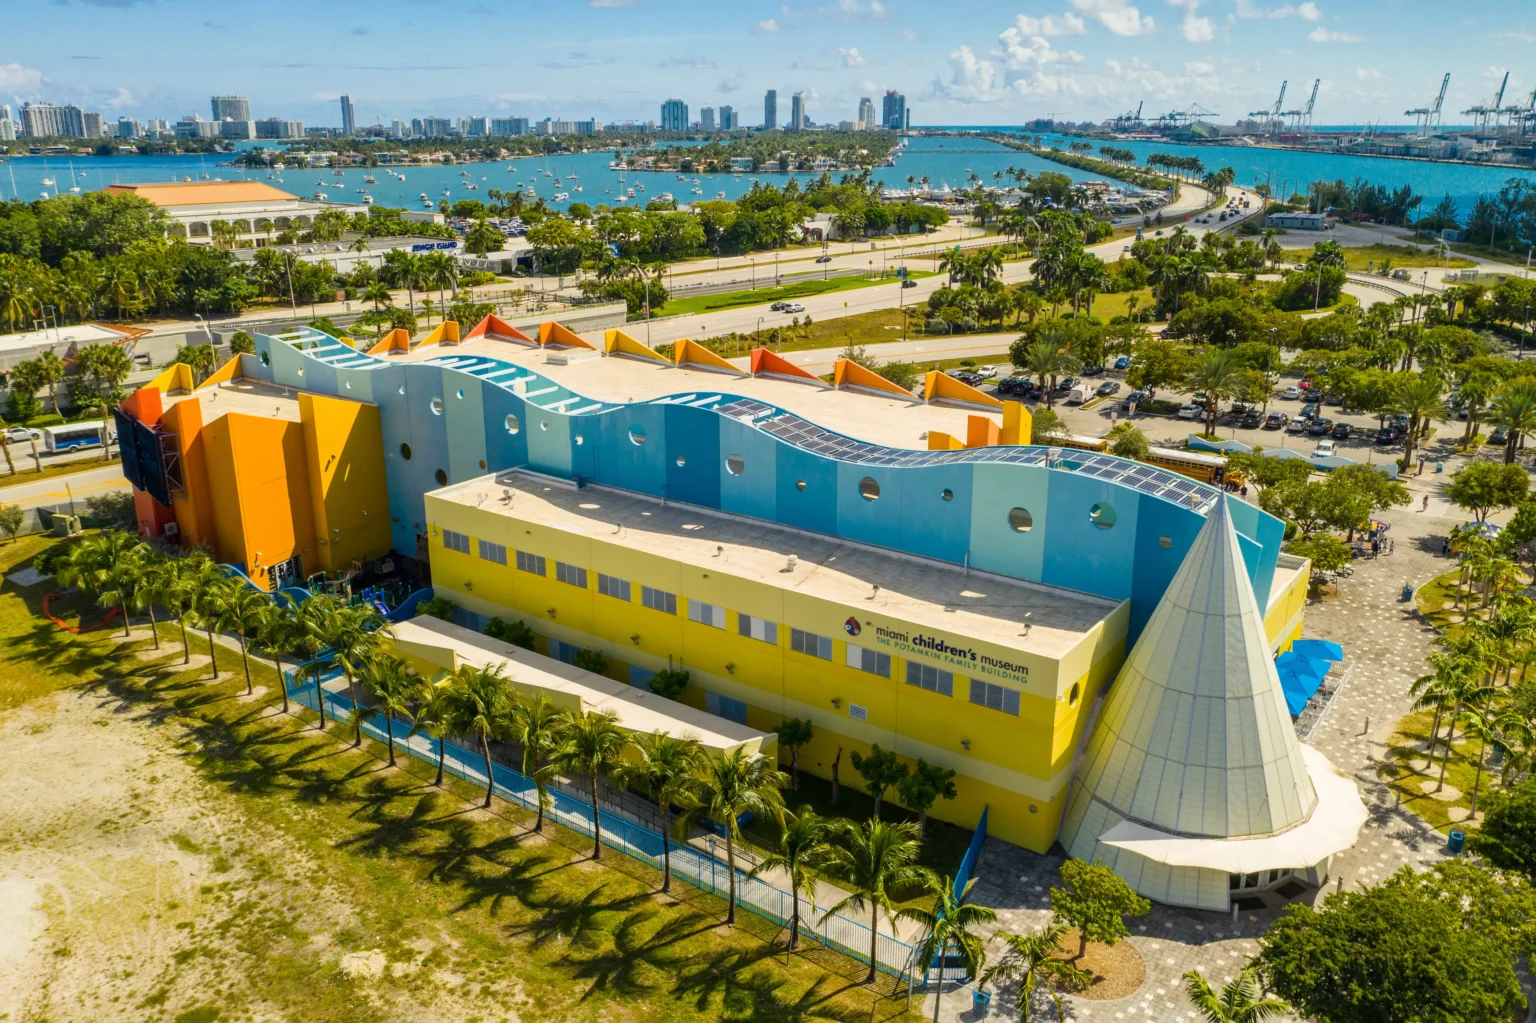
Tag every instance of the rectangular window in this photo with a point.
(612, 586)
(658, 600)
(810, 644)
(985, 694)
(493, 552)
(725, 707)
(533, 563)
(455, 541)
(706, 614)
(570, 574)
(935, 680)
(563, 651)
(857, 713)
(869, 660)
(757, 628)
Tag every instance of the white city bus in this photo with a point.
(72, 435)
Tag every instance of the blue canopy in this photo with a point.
(1299, 663)
(1300, 678)
(1318, 649)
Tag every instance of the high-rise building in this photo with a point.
(674, 115)
(92, 125)
(770, 109)
(474, 126)
(509, 126)
(7, 126)
(707, 119)
(128, 128)
(893, 110)
(399, 129)
(44, 120)
(230, 128)
(433, 127)
(866, 114)
(348, 115)
(797, 112)
(233, 108)
(278, 128)
(194, 127)
(728, 120)
(157, 125)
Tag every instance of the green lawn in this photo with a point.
(1360, 257)
(474, 917)
(800, 289)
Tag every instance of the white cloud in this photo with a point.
(1306, 12)
(1323, 35)
(730, 83)
(121, 100)
(972, 79)
(1519, 37)
(698, 63)
(1201, 68)
(766, 25)
(21, 79)
(850, 56)
(1128, 81)
(1370, 74)
(1118, 16)
(1192, 26)
(909, 36)
(1022, 50)
(1065, 24)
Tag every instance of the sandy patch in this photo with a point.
(1118, 969)
(369, 965)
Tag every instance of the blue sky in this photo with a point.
(958, 61)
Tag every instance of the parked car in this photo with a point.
(986, 372)
(1123, 362)
(1191, 412)
(1388, 435)
(1332, 399)
(1320, 427)
(1251, 420)
(22, 434)
(823, 259)
(1399, 421)
(1109, 387)
(1325, 449)
(1292, 392)
(1275, 421)
(1342, 431)
(1297, 425)
(1093, 371)
(1023, 387)
(971, 379)
(1132, 399)
(1499, 436)
(1311, 410)
(1065, 384)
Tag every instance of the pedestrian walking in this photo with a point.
(1425, 506)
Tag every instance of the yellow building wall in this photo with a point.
(344, 469)
(1283, 619)
(263, 514)
(1020, 766)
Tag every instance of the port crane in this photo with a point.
(1301, 120)
(1273, 118)
(1488, 116)
(1130, 120)
(1426, 119)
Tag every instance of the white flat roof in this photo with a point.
(637, 709)
(80, 333)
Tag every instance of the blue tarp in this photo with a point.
(1318, 649)
(1300, 678)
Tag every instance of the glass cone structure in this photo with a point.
(1194, 787)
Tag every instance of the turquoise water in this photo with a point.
(942, 160)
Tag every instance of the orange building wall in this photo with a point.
(344, 465)
(263, 515)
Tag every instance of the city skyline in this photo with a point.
(1076, 59)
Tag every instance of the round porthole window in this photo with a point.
(734, 465)
(349, 385)
(799, 484)
(405, 452)
(580, 440)
(461, 394)
(544, 424)
(437, 406)
(681, 461)
(1165, 542)
(442, 478)
(301, 371)
(1077, 690)
(869, 488)
(1020, 520)
(947, 494)
(266, 358)
(513, 426)
(1102, 515)
(636, 435)
(482, 463)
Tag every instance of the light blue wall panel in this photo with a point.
(876, 522)
(995, 545)
(464, 425)
(549, 441)
(629, 446)
(1155, 564)
(694, 461)
(506, 444)
(931, 525)
(814, 506)
(753, 491)
(1081, 555)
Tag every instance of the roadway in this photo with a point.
(61, 489)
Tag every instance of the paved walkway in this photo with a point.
(1385, 643)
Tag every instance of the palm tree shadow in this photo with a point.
(623, 969)
(577, 921)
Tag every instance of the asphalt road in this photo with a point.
(59, 489)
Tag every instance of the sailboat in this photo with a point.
(73, 185)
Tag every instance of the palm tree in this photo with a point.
(590, 744)
(802, 847)
(1034, 959)
(438, 713)
(353, 634)
(486, 698)
(949, 925)
(377, 292)
(731, 784)
(1217, 373)
(1238, 1002)
(1419, 396)
(314, 616)
(281, 632)
(1049, 359)
(385, 677)
(109, 564)
(157, 580)
(242, 609)
(1516, 413)
(665, 770)
(440, 269)
(871, 860)
(206, 585)
(536, 728)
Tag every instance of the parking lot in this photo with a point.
(1095, 416)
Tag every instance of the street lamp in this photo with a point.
(646, 282)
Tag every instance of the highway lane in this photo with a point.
(60, 489)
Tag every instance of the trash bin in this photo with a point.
(1439, 466)
(981, 1001)
(1455, 841)
(1407, 593)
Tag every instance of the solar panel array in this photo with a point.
(807, 436)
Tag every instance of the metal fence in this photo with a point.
(699, 868)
